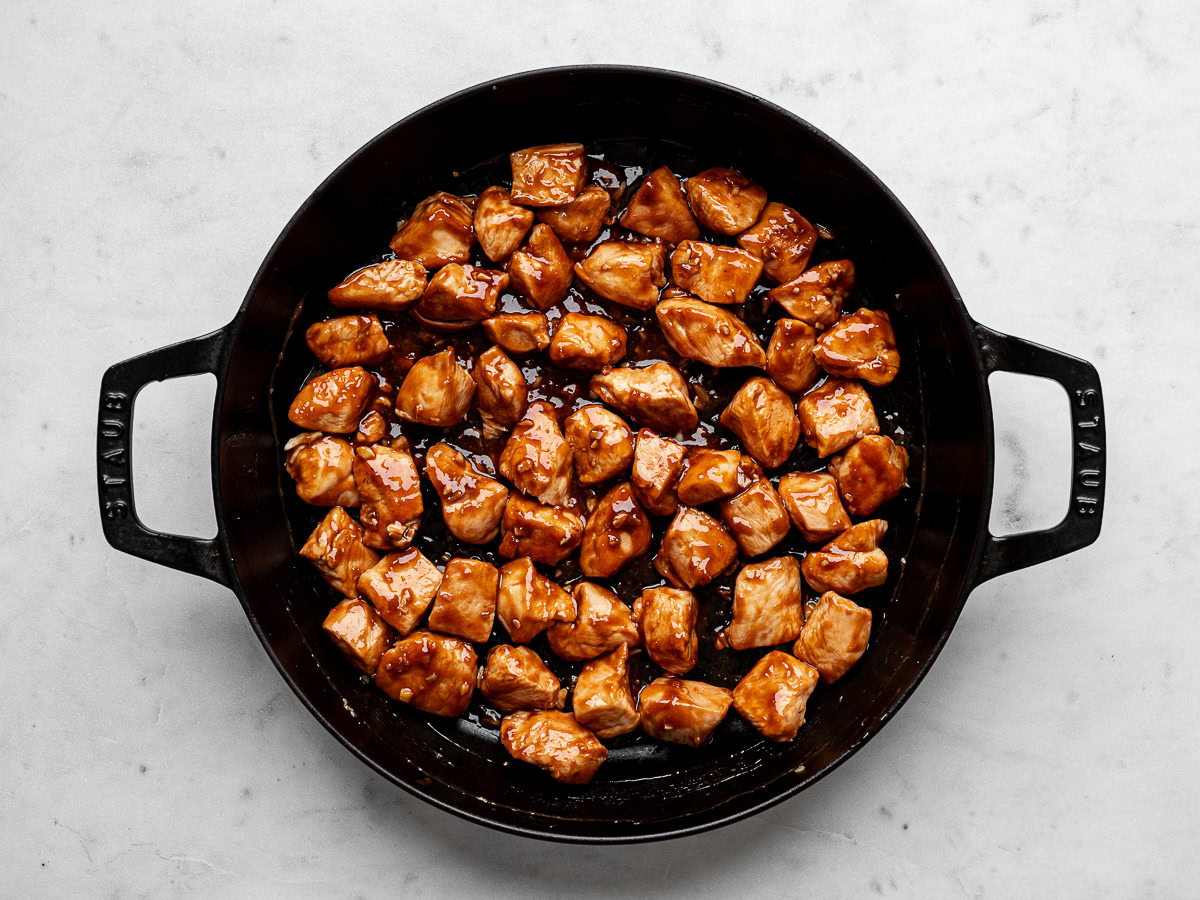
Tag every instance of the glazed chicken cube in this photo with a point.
(812, 501)
(580, 220)
(348, 341)
(537, 458)
(659, 210)
(529, 602)
(756, 518)
(715, 273)
(323, 468)
(655, 396)
(783, 239)
(401, 585)
(333, 402)
(546, 534)
(501, 393)
(710, 475)
(436, 391)
(472, 504)
(835, 415)
(869, 473)
(554, 742)
(390, 488)
(625, 272)
(602, 623)
(459, 296)
(548, 175)
(392, 286)
(500, 225)
(790, 361)
(695, 549)
(683, 712)
(835, 636)
(603, 701)
(773, 696)
(816, 296)
(516, 678)
(851, 562)
(862, 345)
(465, 603)
(764, 417)
(437, 233)
(617, 531)
(657, 465)
(336, 548)
(666, 620)
(431, 672)
(359, 632)
(725, 201)
(519, 333)
(708, 334)
(371, 429)
(601, 442)
(768, 605)
(541, 270)
(590, 343)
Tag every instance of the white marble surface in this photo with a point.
(149, 155)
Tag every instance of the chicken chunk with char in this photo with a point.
(580, 220)
(436, 391)
(655, 396)
(438, 232)
(516, 678)
(816, 296)
(773, 697)
(715, 273)
(862, 345)
(590, 343)
(390, 488)
(683, 712)
(601, 442)
(323, 469)
(359, 632)
(617, 531)
(835, 636)
(548, 175)
(472, 504)
(851, 562)
(529, 602)
(764, 417)
(336, 548)
(546, 534)
(459, 296)
(603, 701)
(537, 457)
(658, 209)
(431, 672)
(835, 415)
(501, 393)
(708, 334)
(666, 619)
(783, 239)
(657, 465)
(768, 605)
(756, 518)
(500, 225)
(348, 341)
(333, 402)
(391, 286)
(725, 201)
(401, 585)
(541, 270)
(869, 473)
(554, 742)
(812, 502)
(465, 602)
(518, 333)
(790, 361)
(695, 549)
(602, 623)
(625, 272)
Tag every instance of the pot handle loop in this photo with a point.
(114, 463)
(1081, 525)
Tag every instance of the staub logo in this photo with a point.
(114, 455)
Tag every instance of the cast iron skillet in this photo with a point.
(939, 543)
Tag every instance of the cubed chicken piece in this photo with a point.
(333, 402)
(555, 743)
(436, 391)
(603, 700)
(756, 518)
(851, 562)
(812, 501)
(683, 712)
(580, 220)
(459, 296)
(372, 428)
(537, 457)
(666, 619)
(659, 210)
(768, 605)
(783, 239)
(773, 696)
(401, 585)
(816, 296)
(348, 341)
(657, 465)
(655, 396)
(710, 475)
(431, 672)
(438, 232)
(714, 272)
(695, 549)
(519, 333)
(359, 632)
(546, 534)
(465, 603)
(516, 678)
(625, 272)
(708, 334)
(529, 602)
(862, 345)
(390, 488)
(790, 361)
(725, 201)
(835, 636)
(602, 623)
(590, 343)
(501, 393)
(323, 468)
(601, 442)
(764, 417)
(472, 504)
(500, 225)
(391, 286)
(837, 414)
(548, 175)
(869, 473)
(541, 270)
(336, 548)
(617, 531)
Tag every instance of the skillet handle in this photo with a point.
(114, 463)
(1081, 526)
